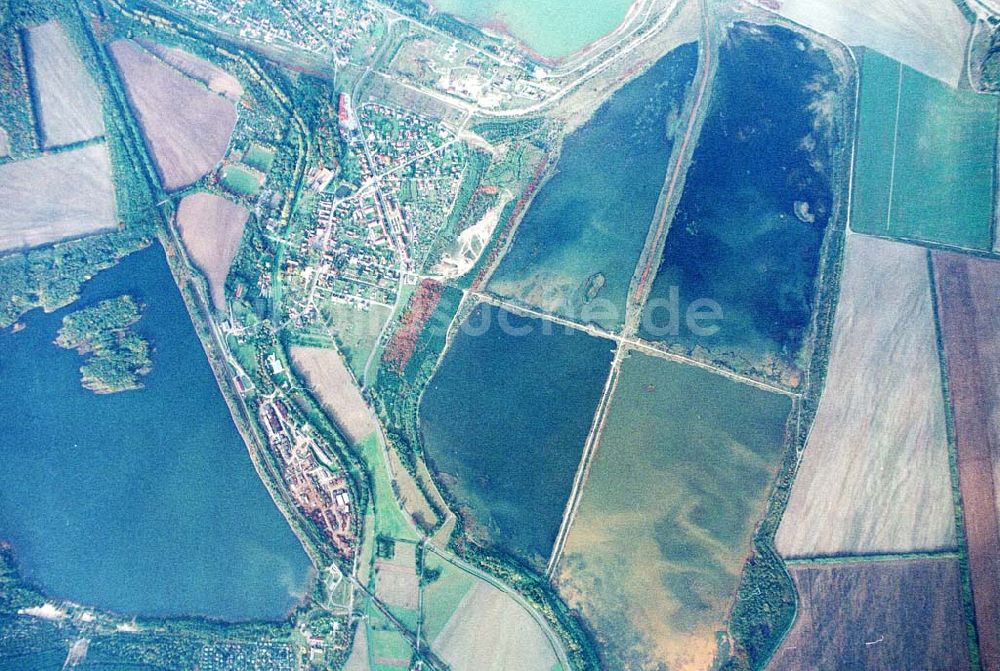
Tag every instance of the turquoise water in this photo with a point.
(736, 238)
(504, 420)
(551, 28)
(590, 220)
(142, 502)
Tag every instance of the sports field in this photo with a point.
(925, 158)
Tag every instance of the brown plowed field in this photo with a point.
(186, 126)
(211, 228)
(878, 615)
(969, 309)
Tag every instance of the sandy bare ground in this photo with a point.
(332, 383)
(491, 632)
(67, 100)
(875, 476)
(876, 615)
(969, 311)
(4, 144)
(471, 242)
(56, 196)
(186, 126)
(212, 76)
(358, 661)
(928, 35)
(211, 228)
(396, 581)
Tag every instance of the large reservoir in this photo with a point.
(145, 501)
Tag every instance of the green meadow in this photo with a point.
(445, 586)
(240, 180)
(925, 158)
(677, 485)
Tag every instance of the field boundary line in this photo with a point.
(878, 557)
(895, 141)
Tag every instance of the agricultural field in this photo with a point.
(875, 477)
(926, 158)
(487, 630)
(358, 661)
(900, 614)
(388, 649)
(576, 249)
(969, 312)
(356, 330)
(390, 520)
(67, 101)
(241, 180)
(186, 126)
(215, 78)
(56, 196)
(504, 421)
(334, 386)
(756, 202)
(680, 479)
(397, 583)
(927, 35)
(445, 585)
(211, 228)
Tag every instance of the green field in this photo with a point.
(925, 158)
(389, 519)
(442, 596)
(678, 482)
(259, 157)
(355, 330)
(387, 648)
(240, 180)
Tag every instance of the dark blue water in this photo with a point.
(504, 420)
(592, 217)
(142, 502)
(735, 238)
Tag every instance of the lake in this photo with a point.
(142, 502)
(504, 420)
(575, 251)
(757, 198)
(550, 28)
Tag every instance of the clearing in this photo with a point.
(928, 35)
(925, 160)
(4, 144)
(490, 631)
(901, 614)
(186, 126)
(334, 386)
(211, 228)
(680, 479)
(56, 196)
(969, 310)
(66, 98)
(874, 477)
(212, 76)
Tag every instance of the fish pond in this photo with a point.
(143, 501)
(504, 421)
(550, 28)
(750, 223)
(575, 251)
(678, 482)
